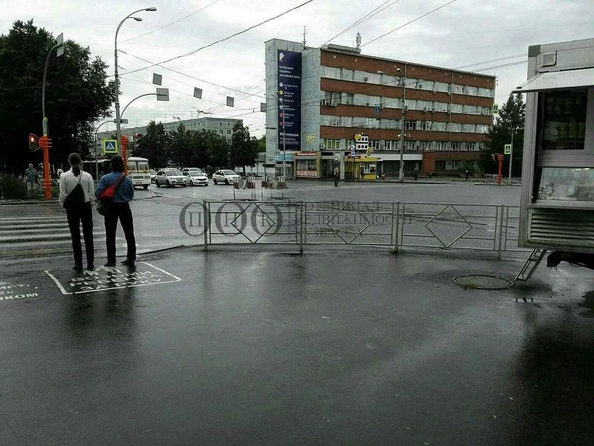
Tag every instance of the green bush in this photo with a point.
(14, 188)
(471, 166)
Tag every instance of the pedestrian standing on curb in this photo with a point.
(32, 179)
(416, 174)
(336, 176)
(76, 196)
(119, 209)
(466, 174)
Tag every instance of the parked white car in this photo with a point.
(195, 176)
(225, 176)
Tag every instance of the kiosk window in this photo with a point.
(566, 184)
(563, 119)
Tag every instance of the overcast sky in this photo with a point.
(490, 37)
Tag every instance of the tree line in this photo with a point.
(199, 148)
(77, 95)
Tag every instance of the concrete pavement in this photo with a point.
(333, 347)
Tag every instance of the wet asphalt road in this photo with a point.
(263, 347)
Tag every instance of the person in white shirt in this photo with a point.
(78, 204)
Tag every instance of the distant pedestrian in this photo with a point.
(32, 180)
(467, 174)
(416, 174)
(336, 176)
(76, 196)
(119, 209)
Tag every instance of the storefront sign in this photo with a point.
(307, 173)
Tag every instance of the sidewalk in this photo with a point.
(265, 347)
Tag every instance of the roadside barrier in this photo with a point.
(392, 225)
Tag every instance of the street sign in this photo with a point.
(162, 94)
(44, 122)
(60, 49)
(507, 149)
(110, 146)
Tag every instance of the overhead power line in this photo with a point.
(172, 23)
(408, 23)
(224, 39)
(184, 74)
(366, 17)
(501, 66)
(515, 56)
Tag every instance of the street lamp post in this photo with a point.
(511, 154)
(60, 47)
(96, 148)
(402, 120)
(44, 123)
(162, 95)
(117, 82)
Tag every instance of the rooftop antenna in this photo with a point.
(304, 31)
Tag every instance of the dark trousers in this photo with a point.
(77, 214)
(122, 212)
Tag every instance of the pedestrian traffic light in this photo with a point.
(33, 142)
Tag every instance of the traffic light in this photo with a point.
(137, 140)
(33, 142)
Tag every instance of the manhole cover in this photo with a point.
(483, 282)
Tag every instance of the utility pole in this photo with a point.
(45, 141)
(511, 153)
(402, 122)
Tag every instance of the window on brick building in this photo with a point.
(348, 98)
(332, 144)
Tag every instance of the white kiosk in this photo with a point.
(557, 197)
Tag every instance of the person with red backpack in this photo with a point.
(119, 209)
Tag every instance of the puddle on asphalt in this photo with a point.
(589, 304)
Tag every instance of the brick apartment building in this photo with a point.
(326, 98)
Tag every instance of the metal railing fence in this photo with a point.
(393, 225)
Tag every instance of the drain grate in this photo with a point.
(482, 282)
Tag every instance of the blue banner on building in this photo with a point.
(289, 100)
